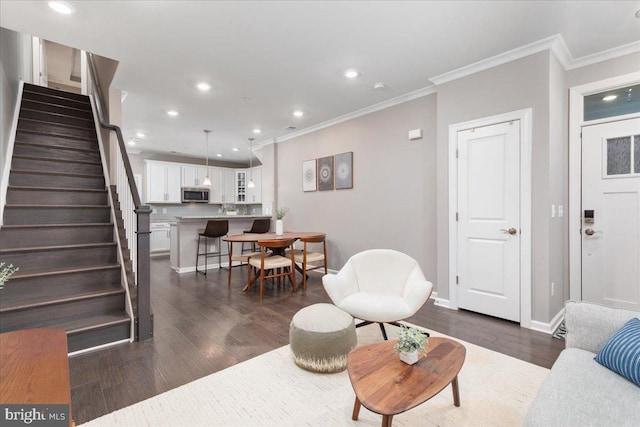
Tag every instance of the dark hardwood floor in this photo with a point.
(203, 326)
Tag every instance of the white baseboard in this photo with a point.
(200, 268)
(441, 302)
(548, 328)
(100, 347)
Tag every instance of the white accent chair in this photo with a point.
(379, 286)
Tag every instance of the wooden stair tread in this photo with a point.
(93, 322)
(57, 147)
(88, 190)
(22, 206)
(53, 134)
(53, 113)
(78, 175)
(30, 87)
(51, 159)
(53, 248)
(79, 225)
(46, 122)
(44, 103)
(53, 272)
(44, 297)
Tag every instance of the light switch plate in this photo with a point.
(560, 211)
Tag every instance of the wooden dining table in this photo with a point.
(255, 237)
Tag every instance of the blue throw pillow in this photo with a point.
(621, 353)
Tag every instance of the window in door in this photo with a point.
(611, 103)
(621, 156)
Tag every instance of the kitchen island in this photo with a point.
(184, 240)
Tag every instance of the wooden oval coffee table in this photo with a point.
(387, 386)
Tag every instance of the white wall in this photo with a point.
(15, 65)
(519, 84)
(393, 202)
(399, 201)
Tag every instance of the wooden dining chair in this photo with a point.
(280, 266)
(306, 256)
(242, 259)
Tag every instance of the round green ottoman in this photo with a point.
(321, 336)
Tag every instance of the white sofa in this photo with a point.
(579, 391)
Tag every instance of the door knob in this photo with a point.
(591, 232)
(511, 231)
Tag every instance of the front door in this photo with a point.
(489, 220)
(611, 214)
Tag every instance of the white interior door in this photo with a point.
(489, 220)
(611, 214)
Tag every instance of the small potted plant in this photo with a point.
(231, 210)
(6, 273)
(411, 343)
(280, 213)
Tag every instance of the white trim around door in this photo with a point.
(525, 117)
(576, 122)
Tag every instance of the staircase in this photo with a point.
(58, 228)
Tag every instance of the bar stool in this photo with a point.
(259, 226)
(214, 230)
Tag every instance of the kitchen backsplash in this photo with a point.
(169, 212)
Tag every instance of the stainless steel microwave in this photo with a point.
(195, 195)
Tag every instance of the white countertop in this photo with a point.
(195, 217)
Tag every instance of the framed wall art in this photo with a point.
(309, 179)
(344, 170)
(325, 173)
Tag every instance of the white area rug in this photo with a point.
(270, 390)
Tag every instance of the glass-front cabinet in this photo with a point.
(241, 186)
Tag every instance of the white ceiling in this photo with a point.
(265, 59)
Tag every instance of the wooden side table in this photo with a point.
(34, 368)
(387, 386)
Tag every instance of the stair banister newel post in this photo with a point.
(136, 217)
(145, 329)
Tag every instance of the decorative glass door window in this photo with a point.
(621, 156)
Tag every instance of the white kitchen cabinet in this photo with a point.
(222, 185)
(254, 195)
(192, 176)
(241, 186)
(160, 240)
(163, 182)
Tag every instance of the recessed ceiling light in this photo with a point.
(257, 131)
(609, 97)
(62, 7)
(235, 148)
(132, 142)
(172, 113)
(351, 74)
(378, 86)
(219, 155)
(203, 86)
(140, 135)
(298, 113)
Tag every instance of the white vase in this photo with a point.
(409, 357)
(279, 227)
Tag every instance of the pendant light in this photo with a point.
(207, 180)
(251, 184)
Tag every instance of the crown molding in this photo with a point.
(358, 113)
(555, 44)
(502, 58)
(605, 55)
